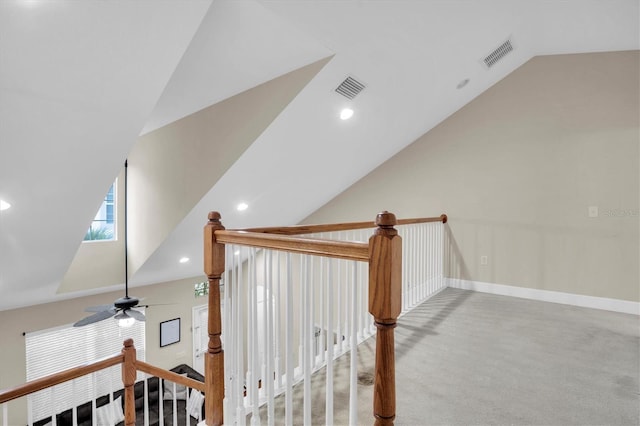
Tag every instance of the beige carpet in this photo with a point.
(466, 358)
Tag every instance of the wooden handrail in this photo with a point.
(442, 218)
(169, 375)
(57, 378)
(336, 227)
(337, 249)
(75, 372)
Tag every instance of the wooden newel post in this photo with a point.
(385, 304)
(214, 358)
(129, 374)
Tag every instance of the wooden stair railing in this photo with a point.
(130, 367)
(383, 252)
(335, 227)
(33, 386)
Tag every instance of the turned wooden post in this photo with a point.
(129, 374)
(214, 358)
(385, 304)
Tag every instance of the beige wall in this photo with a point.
(100, 263)
(172, 168)
(173, 300)
(516, 171)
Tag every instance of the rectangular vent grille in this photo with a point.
(350, 88)
(498, 54)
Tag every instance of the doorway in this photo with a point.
(200, 336)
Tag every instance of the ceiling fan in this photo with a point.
(122, 309)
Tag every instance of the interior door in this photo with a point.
(200, 336)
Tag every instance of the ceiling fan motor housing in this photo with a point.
(126, 302)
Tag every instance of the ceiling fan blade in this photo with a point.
(98, 316)
(100, 308)
(135, 314)
(156, 304)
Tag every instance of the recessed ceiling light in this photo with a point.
(184, 260)
(462, 83)
(4, 205)
(242, 207)
(346, 113)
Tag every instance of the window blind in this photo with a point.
(56, 349)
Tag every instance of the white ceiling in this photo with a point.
(79, 81)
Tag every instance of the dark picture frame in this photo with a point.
(169, 332)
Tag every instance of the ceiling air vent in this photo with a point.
(498, 54)
(350, 88)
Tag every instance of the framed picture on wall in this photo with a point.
(169, 332)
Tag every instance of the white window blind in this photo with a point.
(56, 349)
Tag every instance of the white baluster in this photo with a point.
(353, 389)
(289, 349)
(175, 404)
(278, 323)
(411, 256)
(412, 266)
(30, 411)
(226, 318)
(5, 414)
(186, 409)
(433, 257)
(441, 250)
(305, 284)
(241, 417)
(52, 393)
(364, 298)
(323, 303)
(254, 349)
(94, 384)
(269, 338)
(146, 399)
(421, 261)
(263, 327)
(436, 255)
(416, 266)
(301, 313)
(250, 330)
(339, 329)
(348, 310)
(311, 336)
(74, 408)
(424, 259)
(405, 287)
(330, 346)
(429, 248)
(160, 402)
(230, 355)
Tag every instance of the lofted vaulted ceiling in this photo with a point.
(250, 86)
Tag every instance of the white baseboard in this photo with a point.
(606, 304)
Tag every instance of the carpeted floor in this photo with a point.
(467, 358)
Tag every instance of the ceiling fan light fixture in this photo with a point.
(126, 322)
